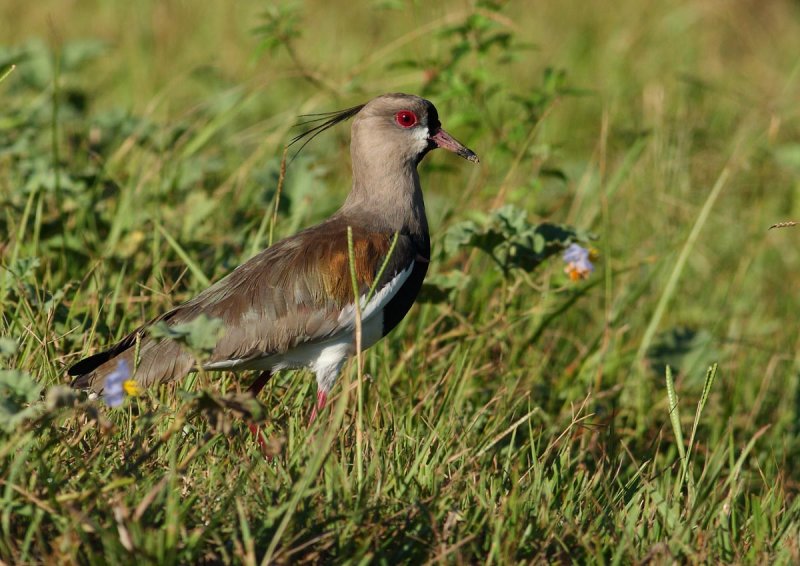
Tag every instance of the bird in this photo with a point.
(292, 305)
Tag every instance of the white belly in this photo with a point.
(324, 358)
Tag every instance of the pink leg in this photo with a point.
(322, 398)
(262, 442)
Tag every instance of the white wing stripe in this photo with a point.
(347, 318)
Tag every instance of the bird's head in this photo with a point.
(390, 128)
(403, 126)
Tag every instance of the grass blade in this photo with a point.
(193, 267)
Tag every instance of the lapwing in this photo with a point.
(292, 305)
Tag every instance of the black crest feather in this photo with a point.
(322, 122)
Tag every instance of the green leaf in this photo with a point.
(443, 287)
(511, 239)
(78, 52)
(788, 155)
(683, 349)
(201, 334)
(8, 346)
(18, 392)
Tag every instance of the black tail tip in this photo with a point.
(81, 381)
(88, 365)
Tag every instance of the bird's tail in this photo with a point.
(90, 373)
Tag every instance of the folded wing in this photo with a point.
(291, 293)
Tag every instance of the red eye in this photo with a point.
(405, 118)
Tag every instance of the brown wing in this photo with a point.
(292, 292)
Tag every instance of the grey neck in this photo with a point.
(386, 194)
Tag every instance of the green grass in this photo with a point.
(512, 417)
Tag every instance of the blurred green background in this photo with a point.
(514, 416)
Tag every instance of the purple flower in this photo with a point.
(578, 260)
(114, 388)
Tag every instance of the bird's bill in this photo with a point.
(446, 141)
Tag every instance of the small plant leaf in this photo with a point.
(511, 239)
(200, 334)
(18, 392)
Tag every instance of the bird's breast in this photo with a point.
(402, 301)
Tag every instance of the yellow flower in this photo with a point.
(131, 387)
